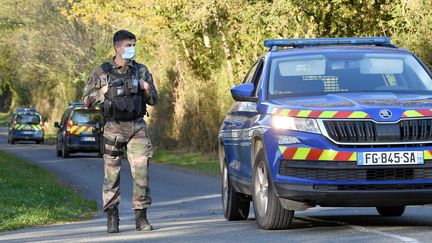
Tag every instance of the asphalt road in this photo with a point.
(186, 208)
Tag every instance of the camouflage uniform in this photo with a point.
(130, 135)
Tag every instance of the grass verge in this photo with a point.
(32, 196)
(204, 163)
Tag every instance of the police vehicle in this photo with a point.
(331, 122)
(26, 124)
(75, 130)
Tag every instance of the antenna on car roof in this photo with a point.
(274, 44)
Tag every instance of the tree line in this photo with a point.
(196, 49)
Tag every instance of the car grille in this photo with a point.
(348, 171)
(370, 132)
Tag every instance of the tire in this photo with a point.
(101, 147)
(58, 151)
(391, 211)
(235, 205)
(64, 151)
(269, 213)
(12, 140)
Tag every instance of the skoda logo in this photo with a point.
(385, 113)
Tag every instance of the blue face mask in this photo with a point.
(129, 53)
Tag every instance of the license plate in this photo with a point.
(27, 132)
(88, 139)
(390, 158)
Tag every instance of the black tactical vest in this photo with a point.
(124, 99)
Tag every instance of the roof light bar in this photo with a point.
(383, 40)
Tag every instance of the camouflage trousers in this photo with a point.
(132, 136)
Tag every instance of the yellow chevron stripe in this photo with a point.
(282, 149)
(353, 157)
(427, 154)
(358, 114)
(284, 112)
(73, 128)
(327, 114)
(304, 113)
(412, 113)
(301, 153)
(328, 155)
(82, 129)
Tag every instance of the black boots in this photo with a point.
(141, 220)
(113, 220)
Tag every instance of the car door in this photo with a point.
(61, 130)
(239, 123)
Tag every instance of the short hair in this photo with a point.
(123, 35)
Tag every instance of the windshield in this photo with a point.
(28, 119)
(84, 117)
(346, 72)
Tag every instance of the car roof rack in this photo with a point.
(73, 103)
(274, 44)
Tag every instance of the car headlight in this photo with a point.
(294, 123)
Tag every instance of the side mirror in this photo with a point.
(243, 92)
(57, 125)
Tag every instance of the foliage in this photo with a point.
(195, 49)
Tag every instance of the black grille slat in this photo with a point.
(420, 186)
(368, 131)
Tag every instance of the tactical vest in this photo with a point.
(124, 99)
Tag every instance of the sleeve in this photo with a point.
(92, 90)
(147, 77)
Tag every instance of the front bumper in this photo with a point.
(331, 176)
(311, 194)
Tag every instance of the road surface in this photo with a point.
(186, 208)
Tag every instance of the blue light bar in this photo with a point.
(383, 40)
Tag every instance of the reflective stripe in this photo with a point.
(314, 154)
(301, 153)
(417, 113)
(320, 114)
(327, 114)
(304, 113)
(427, 154)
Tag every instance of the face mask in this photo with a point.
(129, 53)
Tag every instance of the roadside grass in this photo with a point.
(204, 163)
(32, 196)
(4, 119)
(50, 137)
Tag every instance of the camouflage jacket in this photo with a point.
(97, 85)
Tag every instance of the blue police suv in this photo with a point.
(333, 122)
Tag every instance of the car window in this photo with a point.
(347, 72)
(258, 75)
(250, 75)
(28, 119)
(84, 117)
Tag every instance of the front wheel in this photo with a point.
(391, 211)
(65, 152)
(235, 205)
(269, 213)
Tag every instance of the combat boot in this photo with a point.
(113, 220)
(141, 221)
